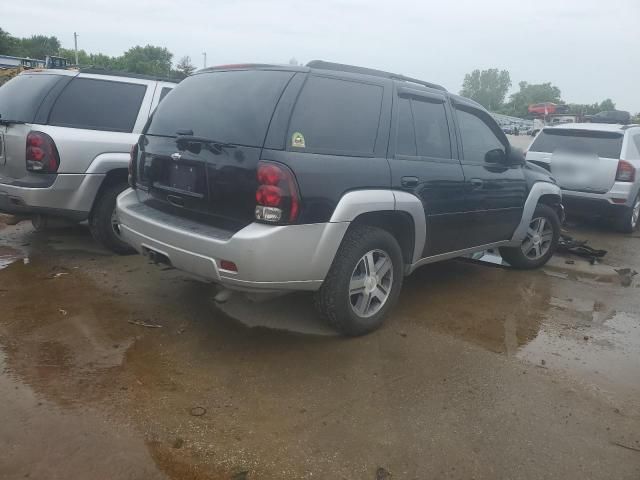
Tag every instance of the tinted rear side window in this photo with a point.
(603, 144)
(232, 107)
(337, 116)
(98, 105)
(406, 137)
(432, 131)
(21, 96)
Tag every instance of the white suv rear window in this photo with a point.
(603, 144)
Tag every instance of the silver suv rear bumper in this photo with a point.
(70, 195)
(621, 193)
(268, 258)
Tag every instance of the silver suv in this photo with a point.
(596, 165)
(65, 138)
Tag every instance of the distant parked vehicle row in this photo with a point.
(65, 138)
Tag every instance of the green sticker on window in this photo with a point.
(297, 140)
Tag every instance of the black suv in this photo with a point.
(330, 178)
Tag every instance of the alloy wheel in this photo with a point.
(371, 282)
(539, 238)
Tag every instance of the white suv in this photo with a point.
(596, 165)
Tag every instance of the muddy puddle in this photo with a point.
(8, 255)
(134, 365)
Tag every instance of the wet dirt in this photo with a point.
(481, 372)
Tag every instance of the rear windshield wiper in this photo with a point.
(186, 137)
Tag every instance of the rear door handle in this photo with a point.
(476, 183)
(409, 181)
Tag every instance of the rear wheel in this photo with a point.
(628, 221)
(364, 281)
(103, 221)
(540, 242)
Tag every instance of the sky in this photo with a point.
(587, 48)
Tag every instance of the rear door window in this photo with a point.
(227, 106)
(21, 96)
(432, 131)
(603, 144)
(406, 136)
(336, 116)
(98, 105)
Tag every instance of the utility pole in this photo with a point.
(204, 55)
(75, 42)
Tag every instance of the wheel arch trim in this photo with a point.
(537, 191)
(357, 202)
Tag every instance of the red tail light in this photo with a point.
(277, 197)
(626, 172)
(133, 160)
(42, 154)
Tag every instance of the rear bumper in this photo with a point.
(268, 258)
(622, 193)
(69, 195)
(613, 202)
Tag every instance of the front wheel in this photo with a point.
(364, 281)
(539, 244)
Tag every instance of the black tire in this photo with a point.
(626, 222)
(333, 300)
(100, 222)
(516, 257)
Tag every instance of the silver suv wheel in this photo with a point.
(539, 238)
(371, 283)
(635, 213)
(115, 225)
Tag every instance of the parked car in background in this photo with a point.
(65, 138)
(596, 165)
(508, 129)
(329, 178)
(610, 116)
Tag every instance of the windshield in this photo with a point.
(21, 96)
(229, 106)
(603, 144)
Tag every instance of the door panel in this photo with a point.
(494, 191)
(422, 163)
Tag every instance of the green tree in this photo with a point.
(185, 66)
(9, 45)
(147, 60)
(591, 109)
(531, 93)
(487, 87)
(39, 46)
(85, 59)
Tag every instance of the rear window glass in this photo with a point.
(604, 144)
(432, 131)
(337, 116)
(21, 96)
(98, 105)
(406, 137)
(232, 107)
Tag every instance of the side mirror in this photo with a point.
(495, 156)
